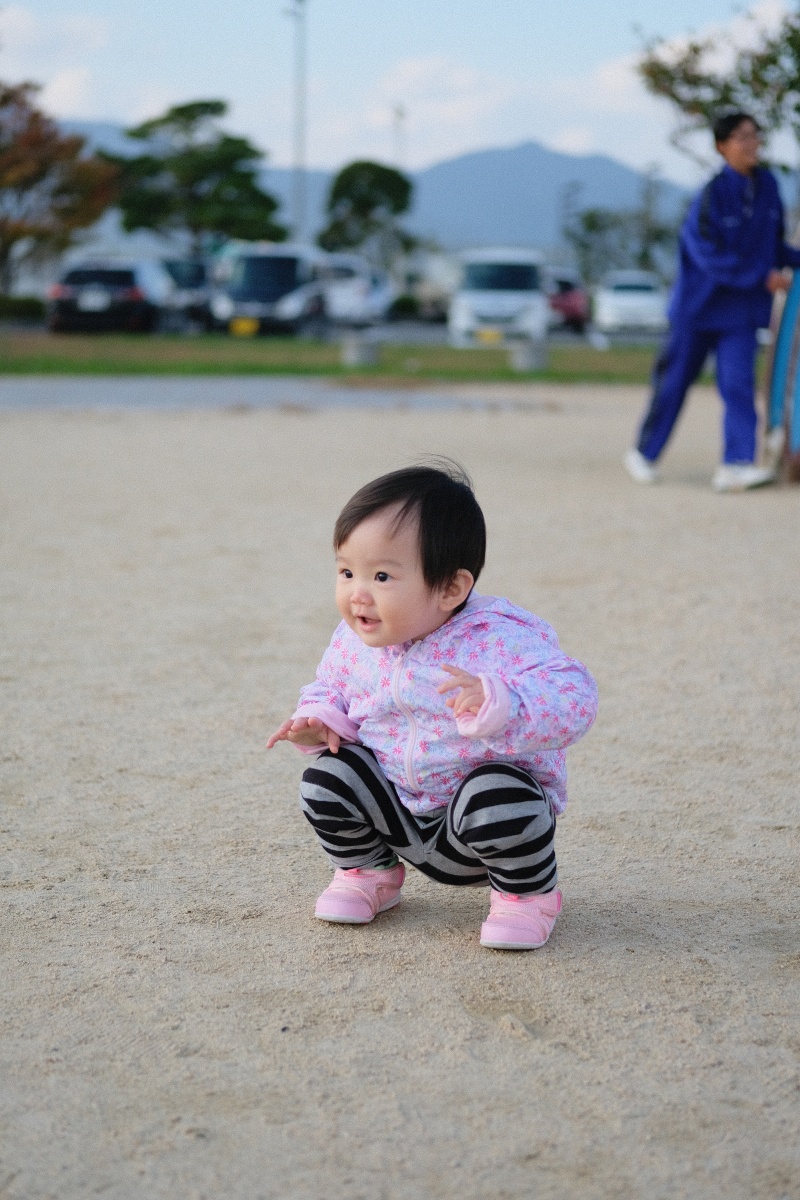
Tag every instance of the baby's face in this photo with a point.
(380, 589)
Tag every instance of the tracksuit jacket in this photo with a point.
(731, 239)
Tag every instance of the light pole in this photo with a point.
(399, 115)
(298, 13)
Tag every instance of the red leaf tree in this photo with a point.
(49, 189)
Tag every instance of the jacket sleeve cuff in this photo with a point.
(493, 714)
(331, 716)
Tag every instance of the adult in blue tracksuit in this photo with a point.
(732, 252)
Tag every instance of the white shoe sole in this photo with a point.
(337, 920)
(724, 485)
(514, 945)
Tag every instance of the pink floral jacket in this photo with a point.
(538, 701)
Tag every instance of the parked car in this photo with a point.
(270, 288)
(188, 305)
(356, 293)
(630, 300)
(95, 297)
(570, 305)
(500, 296)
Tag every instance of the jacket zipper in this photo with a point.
(411, 744)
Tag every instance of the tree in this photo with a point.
(364, 202)
(195, 178)
(603, 239)
(49, 189)
(653, 238)
(599, 240)
(763, 79)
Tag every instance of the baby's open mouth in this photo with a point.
(367, 622)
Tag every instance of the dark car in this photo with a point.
(101, 297)
(569, 300)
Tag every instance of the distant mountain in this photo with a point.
(515, 194)
(511, 195)
(501, 196)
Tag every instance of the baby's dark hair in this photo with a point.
(727, 123)
(452, 531)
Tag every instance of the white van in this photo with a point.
(501, 296)
(263, 287)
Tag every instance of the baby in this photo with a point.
(439, 717)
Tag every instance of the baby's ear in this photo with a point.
(456, 591)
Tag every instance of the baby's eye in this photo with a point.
(346, 572)
(381, 576)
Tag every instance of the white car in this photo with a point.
(501, 296)
(630, 300)
(355, 292)
(264, 288)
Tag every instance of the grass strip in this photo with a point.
(37, 353)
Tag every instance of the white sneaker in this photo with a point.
(640, 468)
(738, 477)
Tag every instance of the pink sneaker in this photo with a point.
(356, 896)
(520, 922)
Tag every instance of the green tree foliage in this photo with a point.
(195, 178)
(603, 239)
(598, 239)
(49, 189)
(763, 79)
(653, 239)
(364, 202)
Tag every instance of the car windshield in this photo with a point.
(186, 274)
(501, 277)
(100, 276)
(263, 278)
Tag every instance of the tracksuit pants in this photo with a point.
(678, 366)
(498, 829)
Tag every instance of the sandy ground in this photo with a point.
(176, 1024)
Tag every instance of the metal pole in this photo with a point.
(299, 168)
(398, 129)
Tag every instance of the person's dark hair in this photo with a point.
(452, 531)
(728, 123)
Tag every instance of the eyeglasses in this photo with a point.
(745, 135)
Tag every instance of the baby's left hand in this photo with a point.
(470, 698)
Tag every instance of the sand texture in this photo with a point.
(175, 1024)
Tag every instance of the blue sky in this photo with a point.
(469, 73)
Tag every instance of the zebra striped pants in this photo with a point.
(499, 827)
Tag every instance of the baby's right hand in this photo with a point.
(305, 731)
